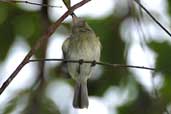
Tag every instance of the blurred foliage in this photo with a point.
(112, 52)
(163, 65)
(32, 102)
(6, 30)
(169, 6)
(39, 103)
(143, 104)
(16, 22)
(11, 106)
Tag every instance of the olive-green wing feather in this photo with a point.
(65, 47)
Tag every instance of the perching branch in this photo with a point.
(94, 63)
(40, 43)
(153, 18)
(32, 3)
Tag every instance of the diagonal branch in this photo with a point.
(153, 18)
(40, 43)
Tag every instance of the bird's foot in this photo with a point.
(81, 61)
(93, 63)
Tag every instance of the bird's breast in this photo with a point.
(87, 48)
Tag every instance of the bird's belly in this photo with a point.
(85, 51)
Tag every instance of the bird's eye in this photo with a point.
(82, 23)
(83, 30)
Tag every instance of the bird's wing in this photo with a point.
(65, 47)
(99, 42)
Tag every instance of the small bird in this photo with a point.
(83, 44)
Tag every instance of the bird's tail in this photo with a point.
(81, 95)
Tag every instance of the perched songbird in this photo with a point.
(83, 44)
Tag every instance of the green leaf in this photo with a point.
(11, 106)
(17, 22)
(165, 91)
(143, 104)
(39, 103)
(162, 49)
(29, 26)
(16, 100)
(169, 6)
(7, 34)
(67, 3)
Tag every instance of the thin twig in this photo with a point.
(92, 62)
(32, 3)
(154, 19)
(40, 43)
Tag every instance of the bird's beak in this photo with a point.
(74, 19)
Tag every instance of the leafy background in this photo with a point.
(18, 23)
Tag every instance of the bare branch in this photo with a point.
(32, 3)
(40, 43)
(153, 18)
(93, 62)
